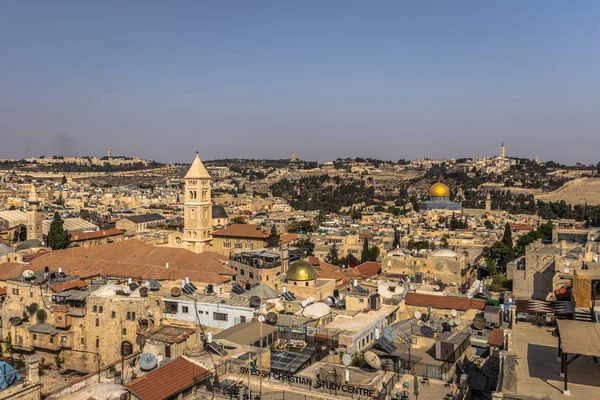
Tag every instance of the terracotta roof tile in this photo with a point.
(244, 231)
(521, 227)
(167, 380)
(79, 236)
(288, 238)
(135, 259)
(369, 268)
(444, 302)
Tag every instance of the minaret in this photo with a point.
(109, 154)
(293, 157)
(34, 218)
(488, 202)
(502, 153)
(197, 208)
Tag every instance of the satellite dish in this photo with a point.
(567, 263)
(566, 270)
(373, 360)
(479, 322)
(143, 291)
(140, 340)
(176, 292)
(154, 285)
(330, 301)
(271, 318)
(418, 315)
(126, 290)
(261, 318)
(346, 359)
(255, 301)
(436, 288)
(454, 312)
(311, 300)
(28, 274)
(15, 321)
(147, 362)
(427, 331)
(469, 295)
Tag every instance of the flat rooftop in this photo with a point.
(537, 370)
(360, 321)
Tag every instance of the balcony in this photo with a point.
(77, 311)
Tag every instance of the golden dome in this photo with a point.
(301, 271)
(439, 190)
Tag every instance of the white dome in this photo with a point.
(316, 310)
(444, 253)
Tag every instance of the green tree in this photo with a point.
(333, 256)
(58, 236)
(350, 261)
(396, 243)
(445, 243)
(238, 219)
(307, 246)
(41, 316)
(12, 207)
(373, 253)
(273, 239)
(507, 237)
(364, 257)
(488, 224)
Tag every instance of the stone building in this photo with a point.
(239, 237)
(443, 264)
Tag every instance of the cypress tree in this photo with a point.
(364, 257)
(273, 239)
(58, 236)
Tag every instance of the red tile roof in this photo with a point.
(288, 238)
(167, 380)
(80, 236)
(244, 231)
(497, 337)
(135, 259)
(74, 284)
(521, 227)
(368, 269)
(444, 302)
(2, 291)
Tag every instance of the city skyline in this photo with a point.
(325, 80)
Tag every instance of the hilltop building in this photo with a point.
(439, 199)
(502, 152)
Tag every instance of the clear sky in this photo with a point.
(326, 79)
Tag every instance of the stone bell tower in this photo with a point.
(197, 208)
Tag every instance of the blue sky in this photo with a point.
(326, 79)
